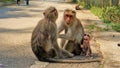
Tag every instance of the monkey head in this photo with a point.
(86, 38)
(69, 17)
(51, 13)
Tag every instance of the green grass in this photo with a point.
(97, 11)
(116, 27)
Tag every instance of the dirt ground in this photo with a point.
(17, 23)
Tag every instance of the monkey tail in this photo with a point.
(52, 60)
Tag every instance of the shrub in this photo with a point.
(111, 14)
(116, 27)
(97, 11)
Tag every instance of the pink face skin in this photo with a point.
(68, 18)
(86, 39)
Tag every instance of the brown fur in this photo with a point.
(43, 41)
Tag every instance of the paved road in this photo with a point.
(16, 24)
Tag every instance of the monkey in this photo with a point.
(77, 7)
(86, 45)
(18, 2)
(73, 32)
(44, 37)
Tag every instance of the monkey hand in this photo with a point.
(61, 36)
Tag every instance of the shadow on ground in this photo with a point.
(22, 30)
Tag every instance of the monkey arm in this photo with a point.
(60, 28)
(55, 46)
(79, 32)
(79, 37)
(66, 36)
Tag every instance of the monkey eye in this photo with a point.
(68, 15)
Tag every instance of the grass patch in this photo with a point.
(116, 27)
(97, 11)
(94, 27)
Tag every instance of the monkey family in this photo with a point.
(44, 36)
(74, 34)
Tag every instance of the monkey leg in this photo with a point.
(57, 49)
(73, 47)
(66, 53)
(39, 52)
(88, 51)
(69, 46)
(62, 43)
(78, 49)
(52, 53)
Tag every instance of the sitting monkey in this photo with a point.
(86, 45)
(74, 32)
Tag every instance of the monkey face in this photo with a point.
(69, 17)
(86, 38)
(51, 13)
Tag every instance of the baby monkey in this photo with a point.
(86, 45)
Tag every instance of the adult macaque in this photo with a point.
(44, 37)
(74, 32)
(86, 45)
